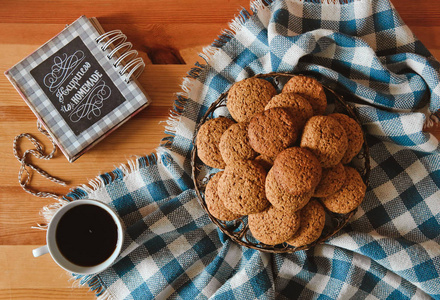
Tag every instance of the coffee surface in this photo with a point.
(86, 235)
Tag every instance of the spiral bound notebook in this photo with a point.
(81, 84)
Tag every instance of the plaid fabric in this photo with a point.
(70, 143)
(390, 249)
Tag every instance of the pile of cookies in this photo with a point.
(282, 159)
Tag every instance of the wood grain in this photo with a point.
(169, 37)
(25, 277)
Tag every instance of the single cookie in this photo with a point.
(297, 170)
(297, 105)
(326, 138)
(349, 196)
(208, 139)
(273, 226)
(265, 161)
(281, 199)
(312, 221)
(310, 89)
(332, 180)
(214, 203)
(248, 97)
(354, 135)
(241, 187)
(234, 144)
(272, 131)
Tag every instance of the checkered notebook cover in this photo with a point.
(81, 85)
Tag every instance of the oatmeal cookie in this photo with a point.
(281, 199)
(332, 180)
(265, 161)
(297, 105)
(312, 221)
(208, 139)
(214, 203)
(234, 143)
(241, 187)
(248, 97)
(309, 88)
(273, 226)
(350, 196)
(354, 135)
(272, 131)
(326, 138)
(297, 170)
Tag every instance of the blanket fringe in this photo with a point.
(176, 113)
(95, 285)
(83, 191)
(132, 165)
(258, 5)
(235, 25)
(196, 70)
(48, 211)
(105, 296)
(431, 121)
(95, 184)
(330, 1)
(207, 55)
(173, 121)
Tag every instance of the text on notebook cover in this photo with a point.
(77, 86)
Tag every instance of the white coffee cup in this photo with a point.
(52, 247)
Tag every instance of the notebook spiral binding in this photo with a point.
(125, 59)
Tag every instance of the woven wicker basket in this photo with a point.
(238, 230)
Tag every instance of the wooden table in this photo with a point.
(169, 34)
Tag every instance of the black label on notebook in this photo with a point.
(77, 86)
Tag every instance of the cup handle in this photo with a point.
(40, 251)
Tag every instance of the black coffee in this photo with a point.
(86, 235)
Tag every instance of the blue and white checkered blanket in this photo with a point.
(390, 249)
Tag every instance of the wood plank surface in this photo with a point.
(169, 35)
